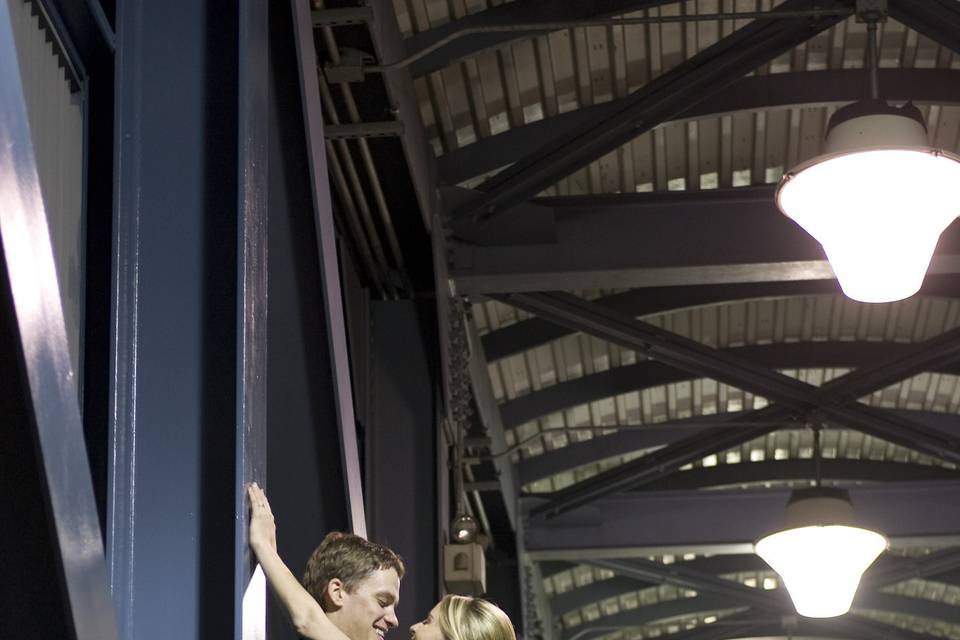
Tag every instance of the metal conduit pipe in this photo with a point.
(367, 158)
(353, 179)
(478, 509)
(340, 183)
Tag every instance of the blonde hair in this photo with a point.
(466, 618)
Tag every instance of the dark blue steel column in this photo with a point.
(252, 190)
(173, 493)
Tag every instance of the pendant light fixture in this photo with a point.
(878, 197)
(822, 552)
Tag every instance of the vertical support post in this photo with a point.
(252, 167)
(329, 268)
(52, 383)
(172, 477)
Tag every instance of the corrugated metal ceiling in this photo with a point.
(502, 90)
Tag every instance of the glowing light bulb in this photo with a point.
(877, 201)
(822, 553)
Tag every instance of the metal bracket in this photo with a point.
(351, 67)
(341, 17)
(872, 10)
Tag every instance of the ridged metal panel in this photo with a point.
(583, 576)
(547, 75)
(753, 322)
(56, 127)
(566, 70)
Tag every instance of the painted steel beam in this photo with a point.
(848, 626)
(663, 610)
(649, 373)
(598, 591)
(38, 318)
(534, 332)
(752, 93)
(251, 398)
(938, 20)
(777, 600)
(843, 471)
(523, 12)
(794, 397)
(639, 524)
(644, 240)
(936, 565)
(329, 266)
(738, 625)
(684, 577)
(658, 101)
(618, 585)
(887, 570)
(662, 434)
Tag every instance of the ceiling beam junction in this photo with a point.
(796, 399)
(658, 101)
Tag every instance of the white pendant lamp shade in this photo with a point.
(877, 199)
(822, 554)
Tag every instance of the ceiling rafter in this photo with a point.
(800, 469)
(645, 523)
(650, 373)
(533, 332)
(663, 610)
(627, 441)
(938, 20)
(640, 240)
(776, 601)
(761, 92)
(521, 12)
(888, 570)
(658, 101)
(795, 397)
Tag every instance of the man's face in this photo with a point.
(369, 612)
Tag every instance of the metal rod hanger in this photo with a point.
(817, 455)
(602, 22)
(873, 58)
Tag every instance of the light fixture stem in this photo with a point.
(816, 456)
(872, 58)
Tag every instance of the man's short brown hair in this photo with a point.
(349, 558)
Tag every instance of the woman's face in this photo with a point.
(428, 628)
